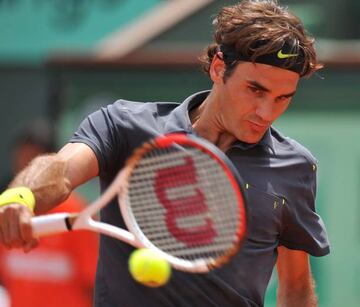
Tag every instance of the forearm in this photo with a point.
(301, 295)
(46, 178)
(296, 284)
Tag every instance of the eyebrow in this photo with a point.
(265, 89)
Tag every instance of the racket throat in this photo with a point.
(69, 221)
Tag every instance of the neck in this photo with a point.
(206, 121)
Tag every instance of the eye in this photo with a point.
(283, 98)
(255, 90)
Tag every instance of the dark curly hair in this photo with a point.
(242, 26)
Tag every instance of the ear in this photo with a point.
(217, 68)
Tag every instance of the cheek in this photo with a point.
(241, 101)
(237, 109)
(282, 108)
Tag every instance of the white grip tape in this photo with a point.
(49, 224)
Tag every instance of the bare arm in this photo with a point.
(51, 178)
(296, 285)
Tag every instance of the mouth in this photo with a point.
(258, 126)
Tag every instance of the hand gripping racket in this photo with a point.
(178, 195)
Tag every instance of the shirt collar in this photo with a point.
(179, 121)
(266, 141)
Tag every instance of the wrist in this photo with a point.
(18, 195)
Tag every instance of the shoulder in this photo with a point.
(124, 115)
(291, 147)
(139, 108)
(137, 117)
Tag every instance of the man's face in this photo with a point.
(252, 98)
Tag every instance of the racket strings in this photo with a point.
(183, 203)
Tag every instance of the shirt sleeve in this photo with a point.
(102, 132)
(303, 227)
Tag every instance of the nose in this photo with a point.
(264, 110)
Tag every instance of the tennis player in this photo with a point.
(260, 52)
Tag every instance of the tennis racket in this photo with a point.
(179, 195)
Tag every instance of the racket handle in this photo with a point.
(50, 224)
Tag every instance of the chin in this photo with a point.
(253, 139)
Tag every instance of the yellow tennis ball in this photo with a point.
(148, 268)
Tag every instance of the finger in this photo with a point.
(1, 228)
(25, 227)
(30, 245)
(5, 227)
(13, 228)
(2, 237)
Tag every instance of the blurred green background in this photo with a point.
(47, 71)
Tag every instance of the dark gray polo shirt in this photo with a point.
(280, 177)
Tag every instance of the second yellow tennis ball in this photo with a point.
(148, 268)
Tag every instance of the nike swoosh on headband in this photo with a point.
(282, 55)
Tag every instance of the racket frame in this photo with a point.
(178, 139)
(63, 222)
